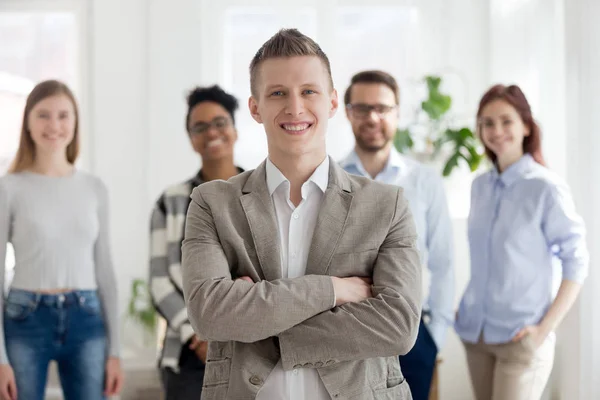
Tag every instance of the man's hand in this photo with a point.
(351, 290)
(8, 387)
(200, 347)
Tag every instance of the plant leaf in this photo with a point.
(403, 140)
(451, 164)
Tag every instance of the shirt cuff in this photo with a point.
(437, 329)
(186, 332)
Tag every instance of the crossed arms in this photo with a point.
(299, 311)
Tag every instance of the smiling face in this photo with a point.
(502, 131)
(211, 131)
(294, 101)
(373, 114)
(51, 124)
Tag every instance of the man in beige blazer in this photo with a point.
(304, 279)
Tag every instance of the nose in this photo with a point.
(495, 130)
(373, 116)
(54, 123)
(212, 132)
(294, 105)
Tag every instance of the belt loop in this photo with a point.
(80, 297)
(37, 297)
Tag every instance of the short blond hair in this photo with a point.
(284, 44)
(26, 152)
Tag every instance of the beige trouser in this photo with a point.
(510, 371)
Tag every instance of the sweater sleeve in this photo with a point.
(105, 274)
(4, 229)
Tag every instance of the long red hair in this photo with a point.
(514, 96)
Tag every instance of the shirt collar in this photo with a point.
(275, 177)
(515, 171)
(395, 162)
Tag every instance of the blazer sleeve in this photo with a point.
(382, 326)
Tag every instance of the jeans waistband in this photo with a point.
(52, 300)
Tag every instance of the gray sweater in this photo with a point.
(58, 227)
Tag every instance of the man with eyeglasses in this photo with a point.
(212, 134)
(372, 103)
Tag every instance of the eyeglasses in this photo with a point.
(364, 110)
(219, 123)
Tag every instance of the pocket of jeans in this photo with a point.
(90, 304)
(528, 343)
(18, 307)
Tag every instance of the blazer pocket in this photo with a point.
(353, 264)
(358, 248)
(214, 392)
(216, 373)
(400, 391)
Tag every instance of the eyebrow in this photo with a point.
(280, 86)
(43, 110)
(501, 116)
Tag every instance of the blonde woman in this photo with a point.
(62, 303)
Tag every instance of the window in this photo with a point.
(354, 37)
(41, 46)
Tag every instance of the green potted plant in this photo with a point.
(140, 308)
(441, 137)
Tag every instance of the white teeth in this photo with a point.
(300, 127)
(214, 143)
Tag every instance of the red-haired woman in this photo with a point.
(522, 219)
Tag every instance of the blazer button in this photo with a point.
(256, 381)
(318, 364)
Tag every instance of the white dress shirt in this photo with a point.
(296, 227)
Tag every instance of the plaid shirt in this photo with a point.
(167, 228)
(166, 234)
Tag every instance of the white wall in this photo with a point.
(146, 55)
(526, 48)
(118, 112)
(580, 348)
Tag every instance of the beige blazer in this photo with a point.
(364, 228)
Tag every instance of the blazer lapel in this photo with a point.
(260, 213)
(331, 221)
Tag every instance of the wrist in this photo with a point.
(545, 328)
(336, 290)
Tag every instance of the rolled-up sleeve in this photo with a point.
(565, 233)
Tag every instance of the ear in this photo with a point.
(253, 106)
(334, 103)
(527, 131)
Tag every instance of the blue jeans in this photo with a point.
(68, 328)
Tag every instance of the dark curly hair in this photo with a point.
(213, 93)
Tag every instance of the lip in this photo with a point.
(51, 137)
